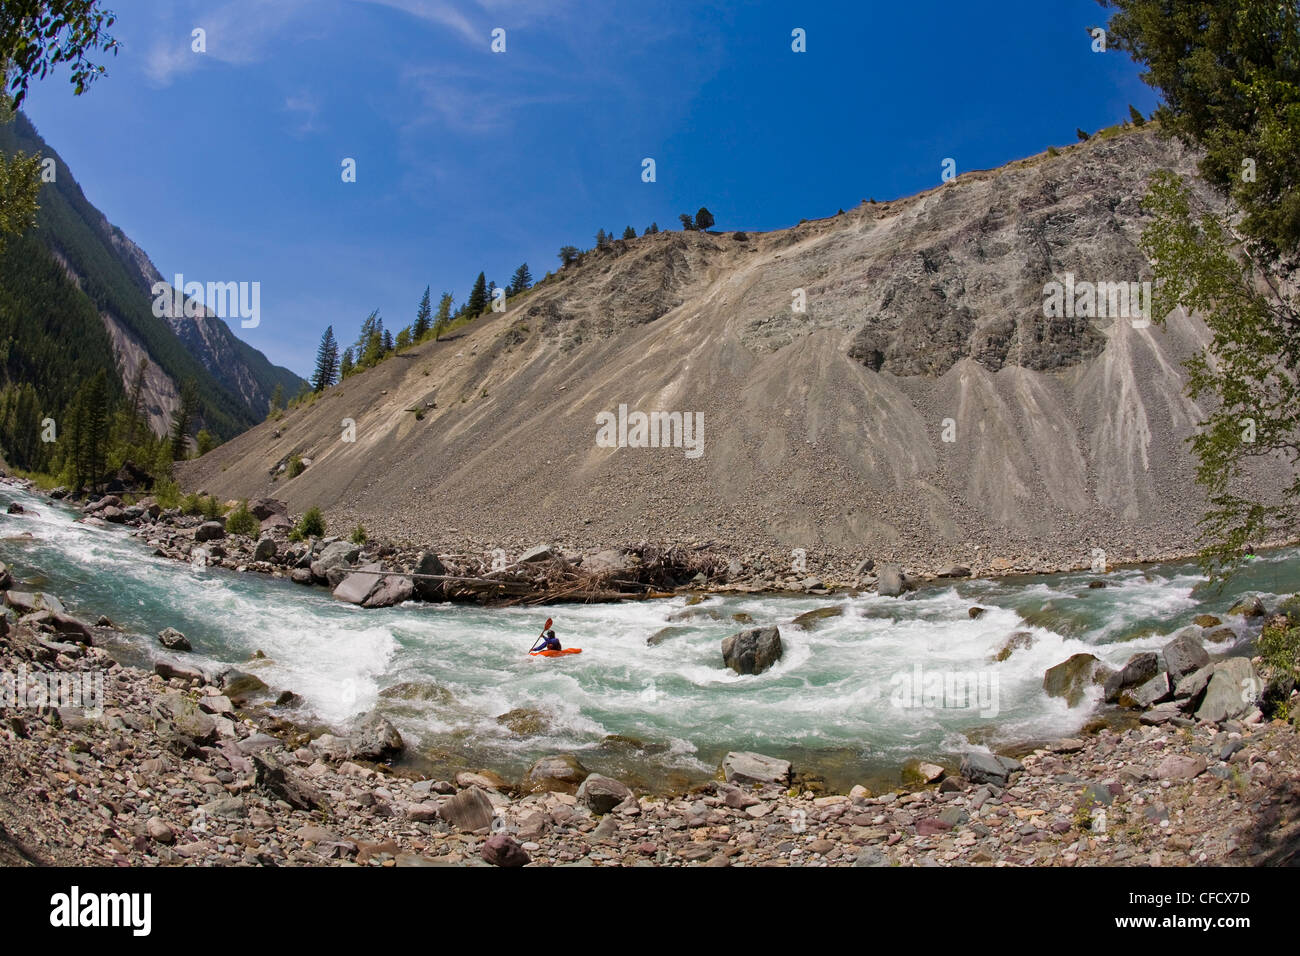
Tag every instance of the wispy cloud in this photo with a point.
(238, 32)
(439, 12)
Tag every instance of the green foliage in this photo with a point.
(1135, 116)
(687, 222)
(1255, 347)
(87, 433)
(423, 317)
(211, 508)
(294, 467)
(703, 219)
(629, 233)
(19, 184)
(191, 504)
(167, 493)
(478, 297)
(1082, 136)
(181, 419)
(310, 525)
(403, 339)
(443, 317)
(241, 521)
(346, 365)
(1279, 646)
(1229, 74)
(204, 442)
(1053, 151)
(358, 535)
(520, 281)
(327, 362)
(38, 35)
(568, 256)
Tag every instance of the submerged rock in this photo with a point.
(1020, 640)
(810, 619)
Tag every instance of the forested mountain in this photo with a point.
(75, 299)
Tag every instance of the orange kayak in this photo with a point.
(567, 650)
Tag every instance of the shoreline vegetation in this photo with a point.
(187, 766)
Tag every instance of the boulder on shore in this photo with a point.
(359, 585)
(375, 738)
(1139, 669)
(337, 554)
(428, 563)
(752, 651)
(559, 772)
(392, 589)
(1232, 691)
(601, 794)
(1184, 655)
(745, 767)
(210, 531)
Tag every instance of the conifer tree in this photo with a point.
(478, 300)
(327, 362)
(423, 317)
(181, 419)
(520, 282)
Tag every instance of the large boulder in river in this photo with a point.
(1139, 669)
(174, 640)
(1072, 677)
(1233, 689)
(747, 768)
(891, 581)
(601, 794)
(359, 585)
(811, 619)
(1184, 655)
(752, 651)
(562, 773)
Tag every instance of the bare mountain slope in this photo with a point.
(823, 430)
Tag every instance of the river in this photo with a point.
(840, 701)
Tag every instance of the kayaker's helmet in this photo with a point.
(551, 635)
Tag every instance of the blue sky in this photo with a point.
(225, 165)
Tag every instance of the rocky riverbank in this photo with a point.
(183, 766)
(374, 573)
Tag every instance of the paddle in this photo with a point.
(545, 628)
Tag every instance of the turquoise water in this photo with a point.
(839, 702)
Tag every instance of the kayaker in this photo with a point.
(548, 643)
